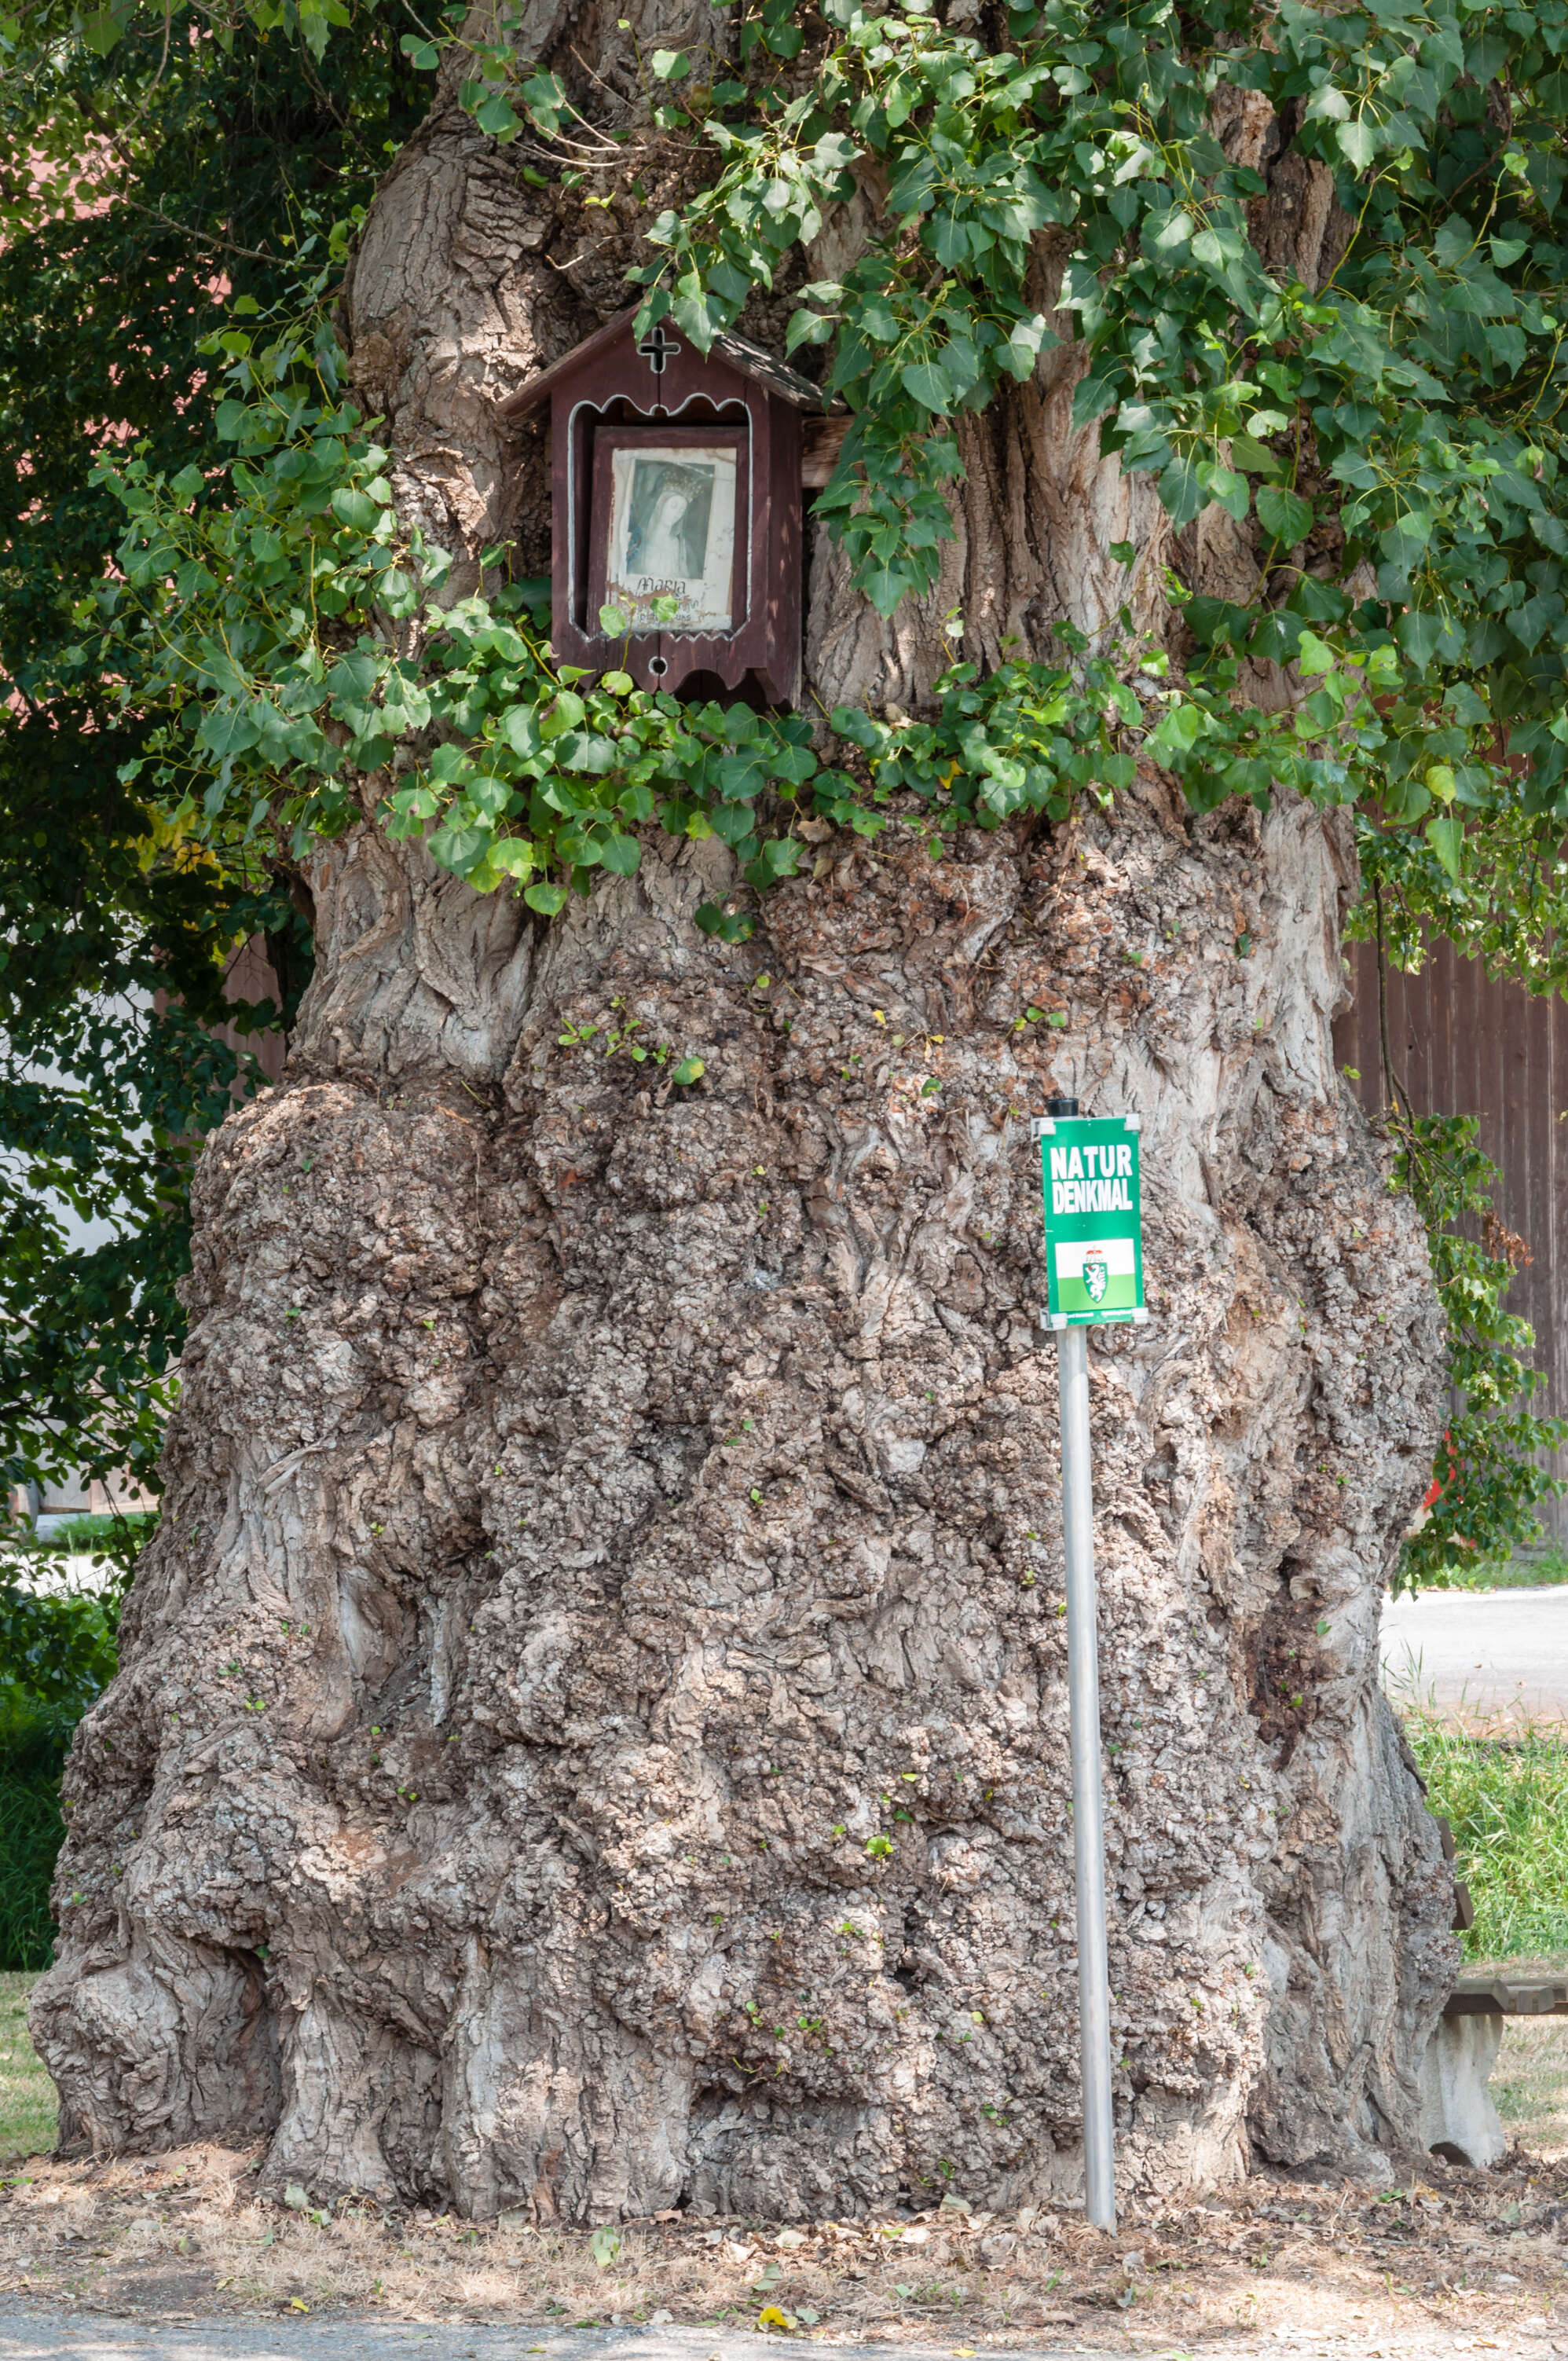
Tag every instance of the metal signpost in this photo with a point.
(1094, 1264)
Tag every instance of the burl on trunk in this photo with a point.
(593, 1732)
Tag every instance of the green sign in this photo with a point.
(1094, 1252)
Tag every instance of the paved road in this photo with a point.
(27, 2334)
(1485, 1651)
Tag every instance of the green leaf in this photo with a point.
(102, 31)
(885, 584)
(689, 1071)
(728, 926)
(353, 679)
(614, 621)
(544, 95)
(1284, 515)
(948, 239)
(355, 510)
(927, 381)
(669, 65)
(1182, 492)
(808, 328)
(1091, 397)
(1357, 142)
(1228, 488)
(459, 849)
(1446, 838)
(228, 730)
(513, 856)
(779, 857)
(1419, 631)
(1252, 456)
(620, 854)
(498, 118)
(547, 899)
(1173, 232)
(796, 763)
(859, 727)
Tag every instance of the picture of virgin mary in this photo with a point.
(667, 523)
(671, 555)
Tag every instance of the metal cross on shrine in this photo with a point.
(656, 350)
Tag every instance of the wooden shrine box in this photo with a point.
(676, 478)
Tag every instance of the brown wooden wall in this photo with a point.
(1462, 1044)
(250, 977)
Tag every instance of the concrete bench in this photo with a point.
(1459, 2121)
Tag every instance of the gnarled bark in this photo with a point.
(592, 1733)
(596, 1512)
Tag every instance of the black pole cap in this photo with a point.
(1061, 1106)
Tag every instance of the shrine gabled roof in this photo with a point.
(775, 376)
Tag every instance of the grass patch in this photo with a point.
(28, 2106)
(1506, 1798)
(131, 1525)
(1542, 1569)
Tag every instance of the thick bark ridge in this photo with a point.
(592, 1732)
(599, 1513)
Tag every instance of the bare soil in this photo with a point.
(1466, 2259)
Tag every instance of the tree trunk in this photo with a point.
(592, 1733)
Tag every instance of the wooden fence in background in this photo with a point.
(1463, 1045)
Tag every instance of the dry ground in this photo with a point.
(1474, 2259)
(1477, 2258)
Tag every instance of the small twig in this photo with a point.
(601, 147)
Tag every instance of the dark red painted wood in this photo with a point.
(617, 383)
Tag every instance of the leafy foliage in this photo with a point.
(293, 632)
(57, 1648)
(105, 1087)
(1399, 419)
(1402, 420)
(1407, 388)
(1388, 442)
(166, 180)
(1487, 1478)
